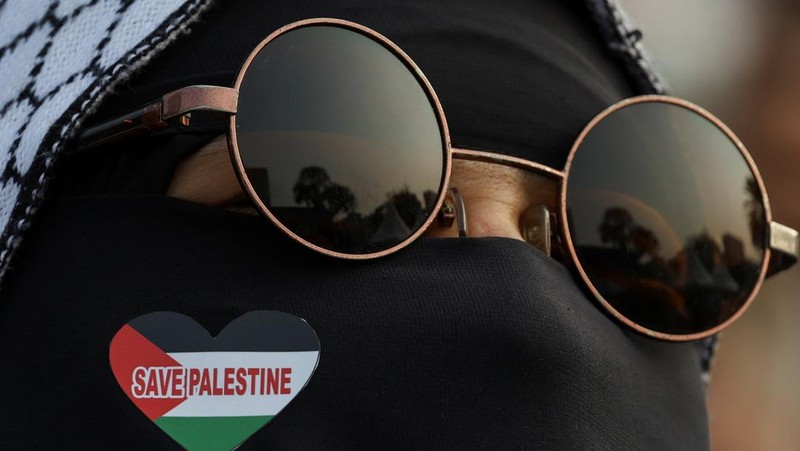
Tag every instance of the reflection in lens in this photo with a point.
(666, 218)
(339, 139)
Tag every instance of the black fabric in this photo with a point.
(143, 166)
(449, 344)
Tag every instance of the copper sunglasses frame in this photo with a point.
(174, 110)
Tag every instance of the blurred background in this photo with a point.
(740, 59)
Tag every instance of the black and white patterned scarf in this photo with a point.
(58, 60)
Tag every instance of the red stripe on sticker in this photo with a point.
(151, 378)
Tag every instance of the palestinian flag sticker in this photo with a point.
(213, 393)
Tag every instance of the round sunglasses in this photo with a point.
(338, 138)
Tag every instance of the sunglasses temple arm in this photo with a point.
(173, 109)
(139, 122)
(785, 244)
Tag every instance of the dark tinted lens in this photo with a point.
(666, 218)
(339, 139)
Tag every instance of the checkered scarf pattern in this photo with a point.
(58, 60)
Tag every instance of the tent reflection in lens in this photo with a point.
(339, 139)
(666, 217)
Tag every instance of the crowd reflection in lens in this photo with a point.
(327, 213)
(697, 288)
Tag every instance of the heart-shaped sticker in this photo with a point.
(213, 393)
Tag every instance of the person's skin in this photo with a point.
(500, 200)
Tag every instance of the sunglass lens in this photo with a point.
(666, 217)
(339, 139)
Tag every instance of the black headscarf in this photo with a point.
(469, 343)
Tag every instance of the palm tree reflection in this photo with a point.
(755, 211)
(330, 214)
(315, 190)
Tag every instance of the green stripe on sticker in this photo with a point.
(211, 433)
